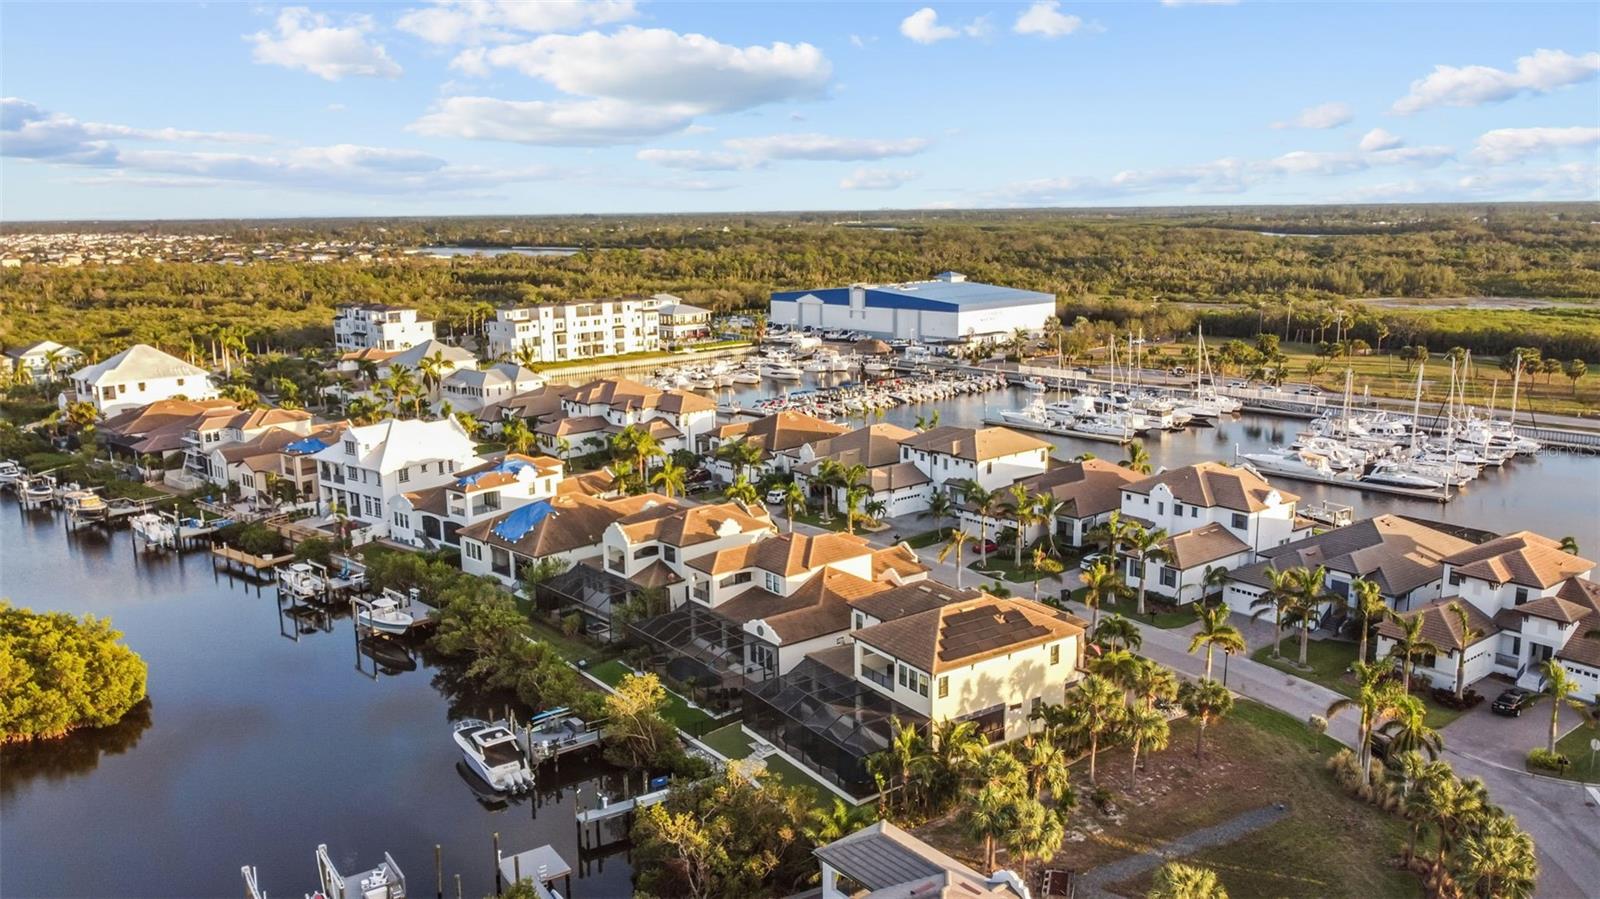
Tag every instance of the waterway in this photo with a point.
(498, 251)
(254, 749)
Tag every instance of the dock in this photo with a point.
(1055, 430)
(596, 820)
(555, 733)
(540, 866)
(1354, 484)
(257, 564)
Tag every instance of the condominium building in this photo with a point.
(376, 326)
(565, 331)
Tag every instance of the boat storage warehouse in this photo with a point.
(947, 308)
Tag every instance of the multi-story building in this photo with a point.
(947, 308)
(376, 326)
(433, 515)
(682, 323)
(472, 390)
(136, 376)
(360, 477)
(901, 487)
(569, 527)
(224, 427)
(1086, 492)
(993, 457)
(596, 411)
(780, 437)
(265, 466)
(561, 332)
(44, 359)
(1527, 602)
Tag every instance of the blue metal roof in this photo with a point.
(307, 445)
(930, 296)
(521, 520)
(508, 466)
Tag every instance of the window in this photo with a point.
(350, 447)
(473, 550)
(1455, 579)
(1240, 521)
(669, 553)
(944, 686)
(1161, 508)
(350, 472)
(1522, 595)
(1055, 653)
(1169, 577)
(904, 674)
(399, 520)
(1038, 704)
(405, 475)
(774, 583)
(1177, 509)
(1146, 500)
(858, 620)
(1194, 511)
(141, 387)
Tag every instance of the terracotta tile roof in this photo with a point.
(895, 477)
(613, 392)
(1520, 558)
(964, 633)
(488, 478)
(786, 430)
(975, 444)
(541, 403)
(1203, 545)
(1553, 608)
(1581, 649)
(681, 402)
(372, 354)
(1088, 488)
(590, 483)
(654, 575)
(688, 525)
(661, 429)
(563, 427)
(900, 559)
(1581, 591)
(1212, 484)
(262, 418)
(432, 500)
(1396, 553)
(909, 599)
(1442, 627)
(873, 446)
(785, 554)
(268, 442)
(817, 607)
(575, 521)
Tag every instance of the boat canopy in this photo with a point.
(522, 520)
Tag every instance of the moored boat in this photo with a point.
(492, 752)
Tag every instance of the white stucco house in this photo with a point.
(139, 375)
(363, 474)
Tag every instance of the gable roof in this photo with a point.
(909, 599)
(873, 446)
(785, 430)
(1521, 558)
(817, 607)
(1396, 553)
(1213, 484)
(1441, 626)
(967, 632)
(139, 362)
(412, 357)
(688, 525)
(397, 442)
(975, 444)
(1202, 545)
(1087, 488)
(785, 554)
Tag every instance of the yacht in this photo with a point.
(1037, 385)
(492, 752)
(746, 376)
(779, 370)
(10, 472)
(39, 488)
(876, 368)
(1400, 474)
(385, 616)
(1292, 462)
(156, 529)
(1032, 414)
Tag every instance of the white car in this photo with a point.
(775, 495)
(1091, 560)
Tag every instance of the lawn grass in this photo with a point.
(1155, 616)
(729, 740)
(928, 538)
(572, 649)
(1329, 660)
(677, 710)
(1585, 765)
(1004, 566)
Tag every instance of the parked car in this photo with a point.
(775, 495)
(1091, 560)
(1239, 385)
(1512, 702)
(987, 547)
(1177, 371)
(698, 476)
(1308, 391)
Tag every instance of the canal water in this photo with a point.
(256, 747)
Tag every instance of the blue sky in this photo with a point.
(168, 110)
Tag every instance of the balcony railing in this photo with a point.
(1506, 661)
(881, 678)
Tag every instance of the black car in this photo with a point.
(1512, 702)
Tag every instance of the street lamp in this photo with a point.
(1226, 655)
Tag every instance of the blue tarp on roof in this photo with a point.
(522, 520)
(307, 445)
(509, 466)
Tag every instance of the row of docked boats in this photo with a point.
(1119, 415)
(852, 398)
(772, 365)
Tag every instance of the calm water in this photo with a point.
(255, 749)
(499, 251)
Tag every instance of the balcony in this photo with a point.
(883, 678)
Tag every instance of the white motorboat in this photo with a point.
(1400, 474)
(10, 472)
(492, 752)
(1037, 385)
(1294, 463)
(746, 376)
(157, 530)
(875, 368)
(385, 616)
(302, 580)
(1031, 414)
(780, 371)
(85, 504)
(39, 488)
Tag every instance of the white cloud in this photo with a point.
(657, 66)
(923, 27)
(696, 160)
(1573, 181)
(1325, 115)
(859, 42)
(1379, 139)
(30, 132)
(1046, 19)
(825, 147)
(1539, 73)
(875, 179)
(556, 123)
(310, 41)
(1511, 144)
(1308, 162)
(497, 21)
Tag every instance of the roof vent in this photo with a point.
(950, 277)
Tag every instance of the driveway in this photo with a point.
(1499, 739)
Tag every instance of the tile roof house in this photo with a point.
(571, 528)
(1088, 491)
(136, 376)
(901, 487)
(432, 516)
(780, 437)
(1180, 499)
(992, 456)
(603, 407)
(1533, 603)
(361, 476)
(276, 455)
(471, 390)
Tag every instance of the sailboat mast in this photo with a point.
(1416, 408)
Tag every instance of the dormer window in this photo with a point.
(1522, 595)
(350, 447)
(774, 583)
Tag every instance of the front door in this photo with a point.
(1538, 654)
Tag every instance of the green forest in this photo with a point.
(59, 673)
(1237, 271)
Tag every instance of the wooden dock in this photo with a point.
(258, 564)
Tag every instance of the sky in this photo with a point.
(456, 107)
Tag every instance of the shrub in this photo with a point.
(314, 549)
(1318, 724)
(571, 624)
(59, 673)
(1545, 760)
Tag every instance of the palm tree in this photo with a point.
(983, 504)
(953, 751)
(1374, 701)
(1215, 632)
(1469, 636)
(794, 501)
(900, 757)
(1047, 511)
(1118, 632)
(1272, 600)
(364, 410)
(1559, 687)
(1306, 595)
(1408, 728)
(1024, 514)
(1410, 645)
(1176, 880)
(670, 477)
(957, 539)
(742, 491)
(1369, 605)
(1112, 533)
(1499, 860)
(1102, 583)
(1044, 566)
(1451, 804)
(1035, 834)
(827, 825)
(1204, 701)
(939, 506)
(1154, 682)
(1569, 545)
(1145, 546)
(1099, 702)
(740, 455)
(1119, 666)
(1048, 767)
(1214, 578)
(1148, 729)
(874, 510)
(1138, 460)
(526, 355)
(516, 435)
(989, 815)
(432, 369)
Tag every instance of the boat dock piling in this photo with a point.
(258, 565)
(596, 819)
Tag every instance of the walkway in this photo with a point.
(1093, 883)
